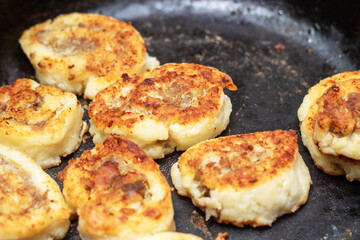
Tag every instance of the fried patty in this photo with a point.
(330, 123)
(118, 192)
(42, 121)
(172, 107)
(247, 179)
(76, 51)
(31, 203)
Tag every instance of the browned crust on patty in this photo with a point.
(325, 108)
(173, 93)
(104, 183)
(339, 108)
(21, 104)
(249, 159)
(109, 46)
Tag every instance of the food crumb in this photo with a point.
(348, 232)
(309, 50)
(279, 48)
(84, 138)
(198, 221)
(222, 236)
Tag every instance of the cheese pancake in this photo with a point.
(31, 203)
(118, 192)
(330, 124)
(75, 51)
(41, 121)
(249, 179)
(173, 106)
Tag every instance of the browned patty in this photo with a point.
(118, 190)
(173, 106)
(329, 124)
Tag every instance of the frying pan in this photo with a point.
(317, 39)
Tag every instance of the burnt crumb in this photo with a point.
(84, 138)
(222, 236)
(279, 48)
(259, 74)
(198, 221)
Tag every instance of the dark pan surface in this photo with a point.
(239, 38)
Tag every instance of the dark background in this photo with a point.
(320, 38)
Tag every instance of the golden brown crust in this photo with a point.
(94, 35)
(18, 193)
(247, 159)
(114, 145)
(42, 121)
(179, 93)
(338, 110)
(249, 179)
(21, 103)
(112, 189)
(173, 106)
(31, 203)
(329, 123)
(79, 46)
